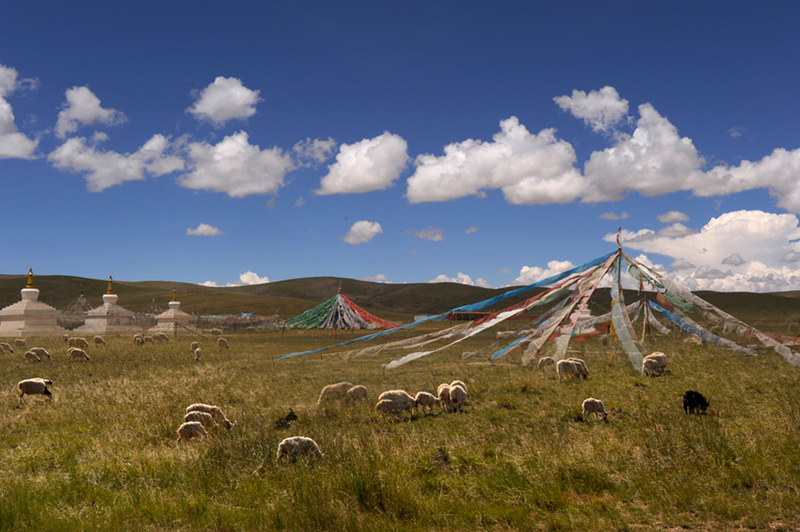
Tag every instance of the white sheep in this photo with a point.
(291, 448)
(65, 337)
(161, 337)
(215, 411)
(198, 354)
(149, 339)
(660, 358)
(30, 356)
(565, 368)
(444, 396)
(650, 367)
(77, 354)
(4, 347)
(191, 429)
(194, 346)
(21, 342)
(34, 387)
(399, 396)
(545, 363)
(138, 339)
(388, 407)
(582, 366)
(426, 401)
(594, 406)
(76, 341)
(205, 418)
(41, 351)
(356, 393)
(458, 397)
(459, 384)
(216, 332)
(99, 340)
(333, 392)
(222, 343)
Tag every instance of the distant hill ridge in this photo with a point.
(398, 302)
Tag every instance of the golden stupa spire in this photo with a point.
(340, 287)
(110, 286)
(174, 295)
(30, 279)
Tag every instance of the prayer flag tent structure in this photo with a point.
(338, 313)
(563, 301)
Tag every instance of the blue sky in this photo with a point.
(488, 144)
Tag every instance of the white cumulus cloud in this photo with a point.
(672, 217)
(613, 216)
(223, 100)
(434, 234)
(245, 279)
(312, 152)
(461, 278)
(204, 230)
(13, 144)
(83, 108)
(105, 169)
(366, 166)
(601, 110)
(235, 167)
(534, 274)
(362, 231)
(529, 169)
(379, 278)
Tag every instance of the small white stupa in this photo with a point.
(29, 317)
(108, 318)
(174, 320)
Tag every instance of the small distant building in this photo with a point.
(173, 321)
(108, 318)
(29, 317)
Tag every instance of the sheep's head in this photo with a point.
(228, 424)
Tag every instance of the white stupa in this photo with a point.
(108, 318)
(29, 317)
(174, 320)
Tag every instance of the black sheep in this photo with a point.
(694, 402)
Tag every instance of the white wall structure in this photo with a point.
(29, 317)
(109, 318)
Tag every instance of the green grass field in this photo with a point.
(103, 454)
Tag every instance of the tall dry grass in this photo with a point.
(103, 454)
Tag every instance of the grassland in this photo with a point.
(103, 454)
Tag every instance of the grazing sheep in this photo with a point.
(581, 366)
(565, 368)
(694, 402)
(194, 346)
(650, 367)
(41, 351)
(459, 384)
(161, 337)
(34, 387)
(216, 332)
(65, 337)
(99, 340)
(77, 354)
(356, 393)
(191, 429)
(30, 356)
(4, 347)
(286, 421)
(149, 340)
(198, 354)
(388, 407)
(546, 362)
(660, 358)
(138, 339)
(215, 411)
(333, 392)
(206, 419)
(594, 406)
(458, 397)
(426, 401)
(76, 341)
(443, 391)
(399, 396)
(222, 343)
(291, 448)
(21, 342)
